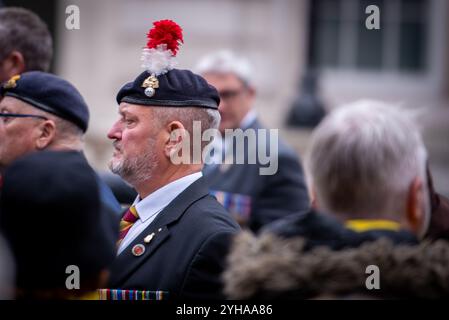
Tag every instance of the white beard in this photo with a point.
(137, 169)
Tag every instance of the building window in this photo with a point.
(339, 39)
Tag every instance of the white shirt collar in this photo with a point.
(220, 144)
(248, 119)
(159, 199)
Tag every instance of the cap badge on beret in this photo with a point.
(11, 83)
(150, 84)
(159, 55)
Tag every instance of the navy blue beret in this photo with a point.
(176, 88)
(49, 93)
(52, 217)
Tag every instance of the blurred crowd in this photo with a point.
(362, 196)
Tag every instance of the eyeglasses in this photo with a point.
(4, 116)
(230, 94)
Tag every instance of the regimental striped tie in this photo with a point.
(129, 218)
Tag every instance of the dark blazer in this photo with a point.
(187, 254)
(241, 188)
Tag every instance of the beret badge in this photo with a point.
(150, 84)
(159, 55)
(11, 83)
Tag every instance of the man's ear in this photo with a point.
(13, 64)
(416, 217)
(177, 135)
(46, 134)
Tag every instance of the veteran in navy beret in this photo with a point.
(174, 238)
(41, 111)
(68, 239)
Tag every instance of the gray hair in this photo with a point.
(210, 118)
(24, 31)
(363, 159)
(67, 134)
(226, 61)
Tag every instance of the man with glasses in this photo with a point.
(253, 199)
(40, 111)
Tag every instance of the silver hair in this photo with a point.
(363, 158)
(67, 133)
(226, 61)
(210, 118)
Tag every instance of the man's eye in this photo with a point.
(5, 120)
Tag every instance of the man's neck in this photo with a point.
(248, 119)
(147, 187)
(66, 146)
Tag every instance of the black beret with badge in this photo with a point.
(49, 93)
(161, 84)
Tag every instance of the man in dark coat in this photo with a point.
(52, 198)
(367, 166)
(174, 238)
(253, 191)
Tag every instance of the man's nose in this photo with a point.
(115, 133)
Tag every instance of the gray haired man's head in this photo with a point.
(231, 75)
(367, 160)
(226, 61)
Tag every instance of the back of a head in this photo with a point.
(52, 218)
(226, 61)
(363, 159)
(23, 31)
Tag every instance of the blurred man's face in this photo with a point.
(136, 143)
(17, 135)
(236, 98)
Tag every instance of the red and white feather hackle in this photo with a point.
(164, 39)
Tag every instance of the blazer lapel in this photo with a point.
(155, 234)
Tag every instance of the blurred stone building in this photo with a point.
(406, 61)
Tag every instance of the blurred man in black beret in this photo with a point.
(56, 227)
(175, 237)
(40, 111)
(25, 43)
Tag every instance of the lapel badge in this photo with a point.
(138, 250)
(11, 83)
(150, 84)
(148, 238)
